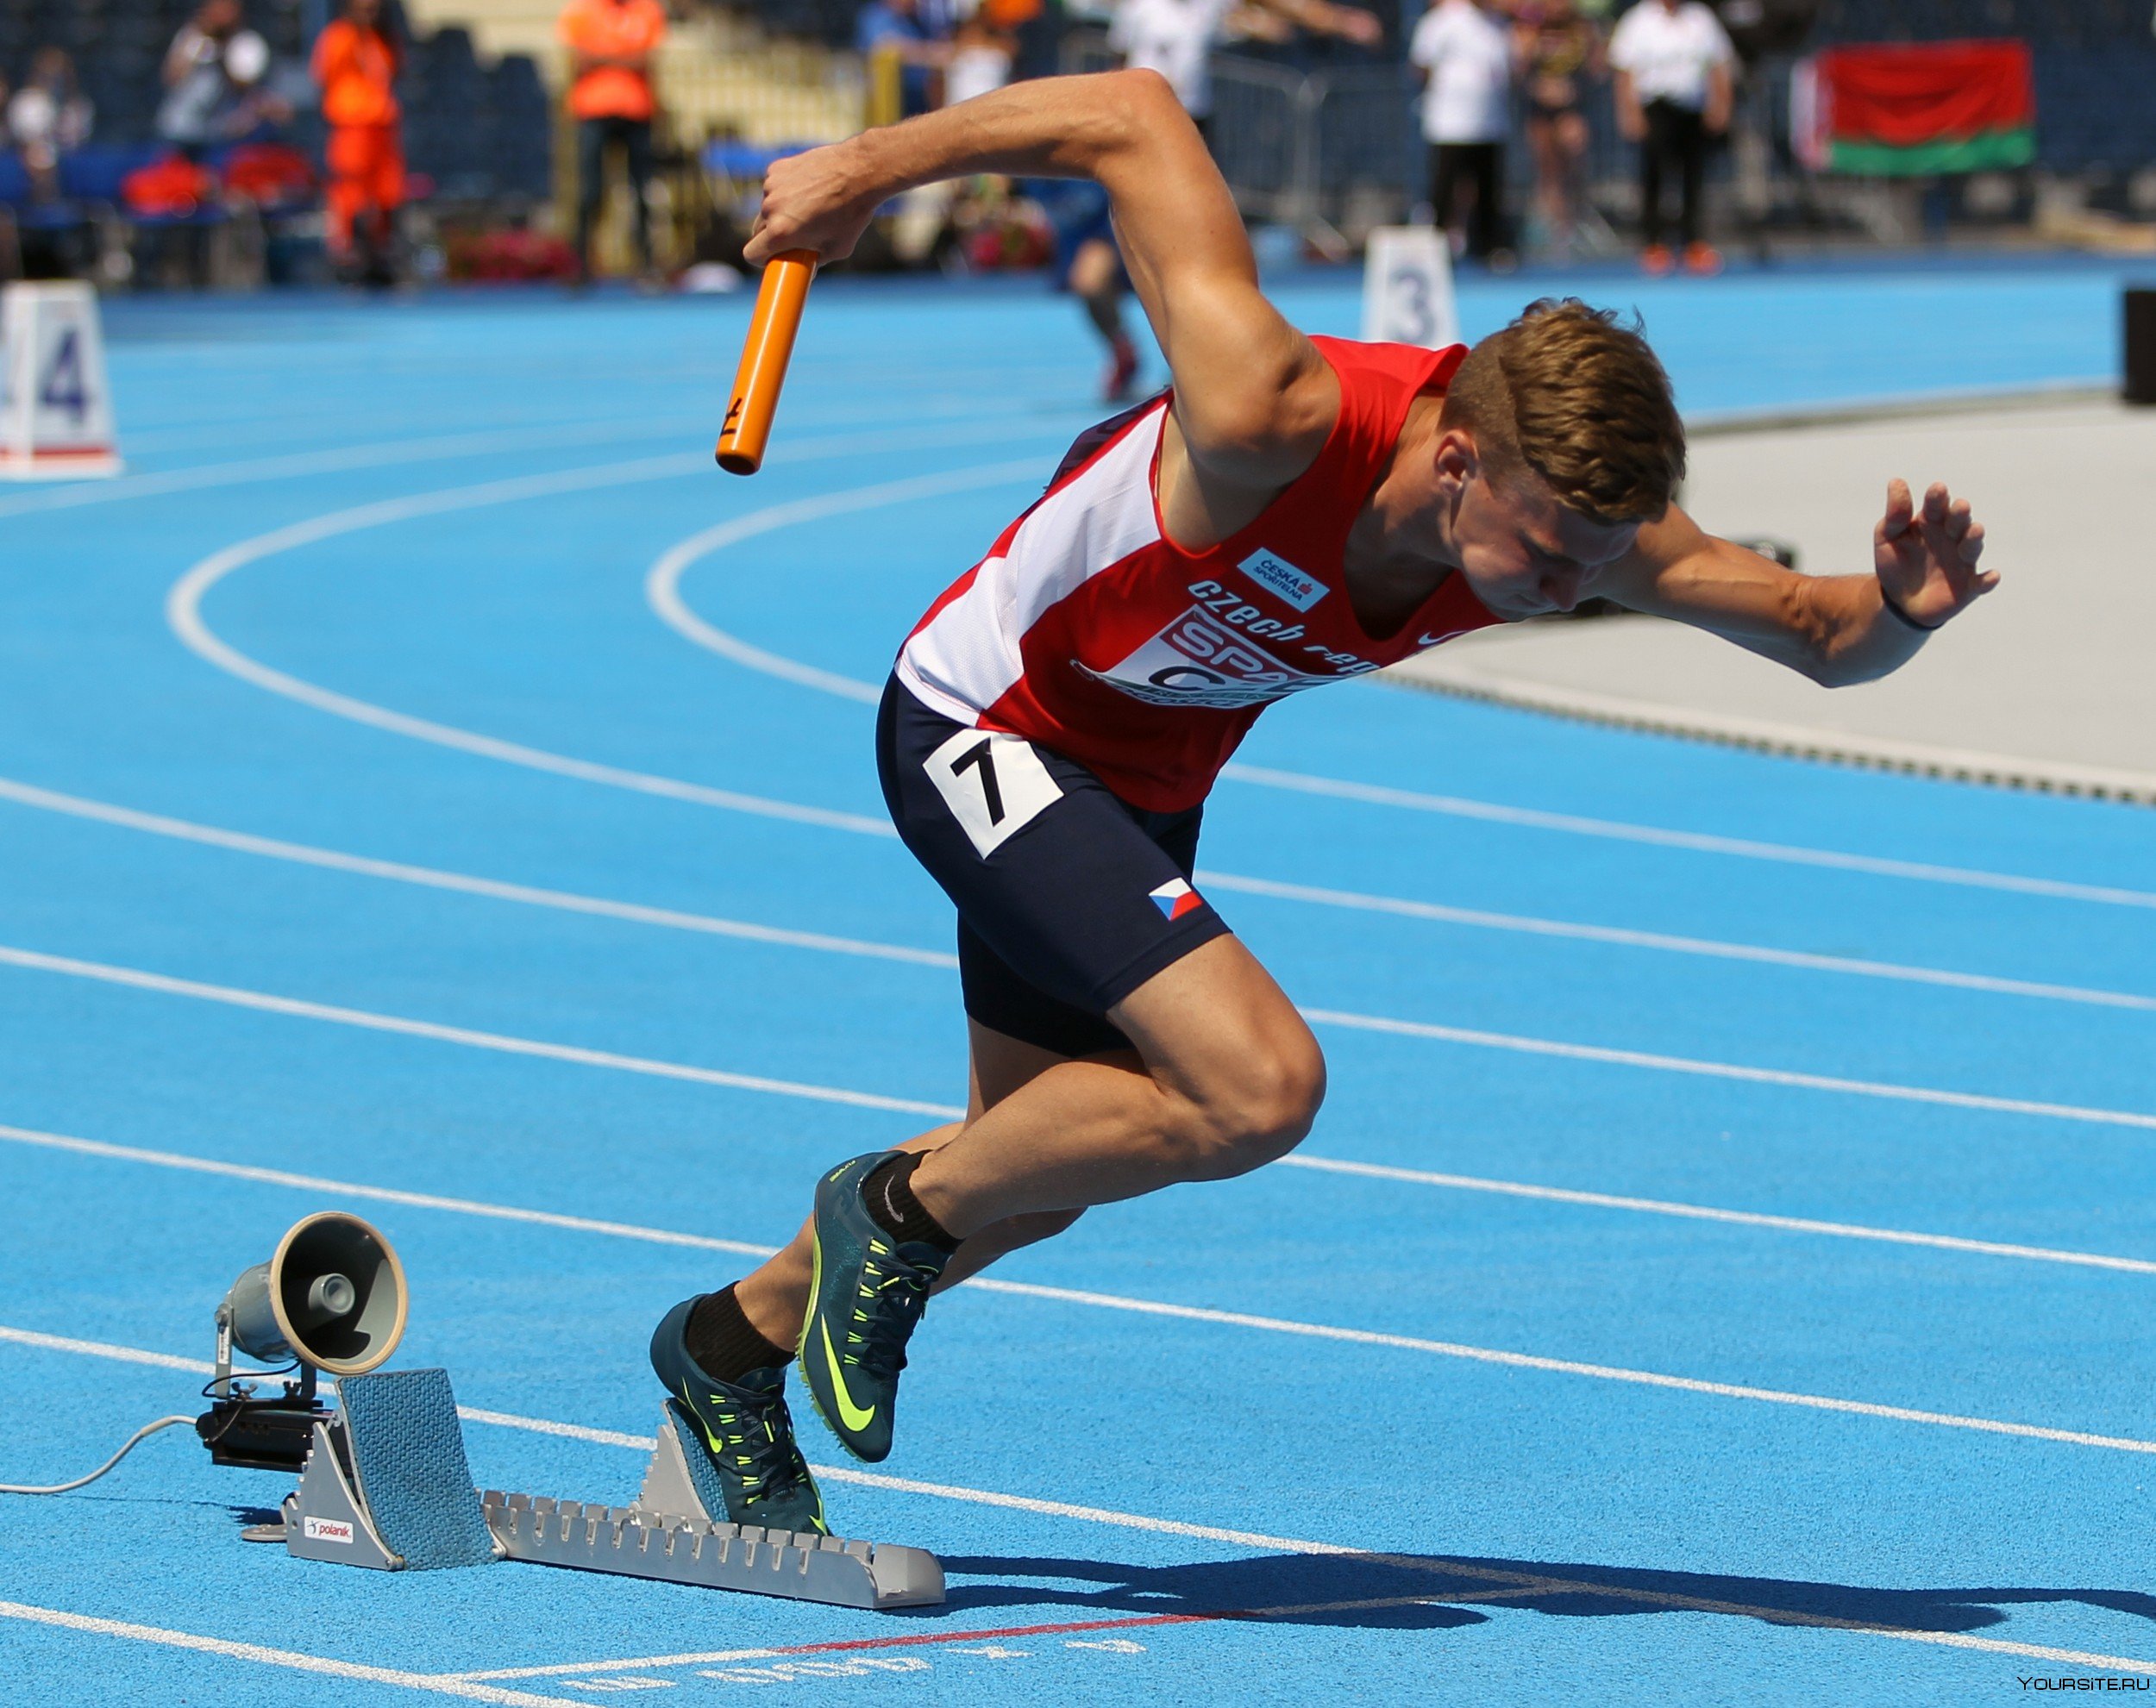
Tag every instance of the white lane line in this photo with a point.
(343, 460)
(1725, 1070)
(628, 1230)
(1251, 1539)
(50, 800)
(1567, 1367)
(233, 997)
(1700, 1212)
(35, 961)
(316, 1182)
(478, 442)
(1457, 806)
(662, 585)
(210, 835)
(1531, 926)
(124, 1355)
(291, 1659)
(1480, 1355)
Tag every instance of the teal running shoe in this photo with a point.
(866, 1295)
(744, 1432)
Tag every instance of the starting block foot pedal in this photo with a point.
(387, 1484)
(671, 1534)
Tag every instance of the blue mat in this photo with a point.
(408, 1451)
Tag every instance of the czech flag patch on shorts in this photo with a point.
(1176, 899)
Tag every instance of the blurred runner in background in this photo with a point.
(1560, 52)
(1175, 38)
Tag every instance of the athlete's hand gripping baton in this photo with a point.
(780, 300)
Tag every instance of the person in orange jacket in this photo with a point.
(356, 61)
(610, 43)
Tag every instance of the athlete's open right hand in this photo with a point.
(819, 200)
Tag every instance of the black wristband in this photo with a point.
(1902, 617)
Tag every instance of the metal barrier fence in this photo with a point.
(1300, 148)
(1339, 149)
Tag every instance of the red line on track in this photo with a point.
(926, 1637)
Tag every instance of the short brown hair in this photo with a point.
(1568, 392)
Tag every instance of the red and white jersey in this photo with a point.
(1087, 630)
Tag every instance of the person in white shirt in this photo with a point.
(1674, 87)
(1176, 37)
(1464, 56)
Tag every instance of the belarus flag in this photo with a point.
(1913, 108)
(1176, 899)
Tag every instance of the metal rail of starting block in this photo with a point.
(386, 1485)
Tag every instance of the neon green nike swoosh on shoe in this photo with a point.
(854, 1418)
(866, 1294)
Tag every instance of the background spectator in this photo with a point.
(981, 58)
(47, 116)
(901, 27)
(215, 77)
(1464, 56)
(1673, 90)
(356, 61)
(610, 43)
(1176, 37)
(1559, 53)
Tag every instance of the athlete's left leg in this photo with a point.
(775, 1299)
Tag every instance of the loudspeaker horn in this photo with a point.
(332, 1295)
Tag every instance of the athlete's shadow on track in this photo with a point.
(1435, 1592)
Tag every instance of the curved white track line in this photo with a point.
(1133, 1521)
(662, 590)
(104, 972)
(183, 610)
(302, 853)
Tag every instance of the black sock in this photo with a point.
(888, 1192)
(724, 1343)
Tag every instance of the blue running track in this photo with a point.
(1722, 1273)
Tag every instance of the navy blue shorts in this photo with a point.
(1068, 898)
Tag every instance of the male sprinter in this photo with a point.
(1294, 511)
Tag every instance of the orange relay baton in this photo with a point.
(780, 300)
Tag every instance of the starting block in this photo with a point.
(386, 1485)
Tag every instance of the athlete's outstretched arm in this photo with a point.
(1254, 398)
(1836, 629)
